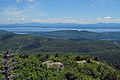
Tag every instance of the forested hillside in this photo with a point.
(57, 67)
(42, 44)
(75, 35)
(105, 50)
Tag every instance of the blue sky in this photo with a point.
(59, 11)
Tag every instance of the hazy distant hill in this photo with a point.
(2, 32)
(66, 25)
(75, 35)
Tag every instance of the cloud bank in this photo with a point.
(55, 20)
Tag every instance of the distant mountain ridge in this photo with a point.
(3, 32)
(73, 35)
(66, 25)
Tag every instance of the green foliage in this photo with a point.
(75, 35)
(32, 68)
(104, 50)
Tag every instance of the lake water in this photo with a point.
(24, 29)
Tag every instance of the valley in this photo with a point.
(106, 50)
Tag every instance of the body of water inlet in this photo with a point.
(33, 29)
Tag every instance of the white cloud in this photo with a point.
(108, 17)
(28, 12)
(19, 1)
(55, 20)
(30, 0)
(11, 11)
(98, 19)
(79, 21)
(49, 20)
(12, 21)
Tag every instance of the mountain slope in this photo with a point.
(105, 50)
(40, 43)
(75, 35)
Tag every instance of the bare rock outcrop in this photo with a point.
(52, 64)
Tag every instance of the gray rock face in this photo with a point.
(52, 64)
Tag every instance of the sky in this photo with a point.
(59, 11)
